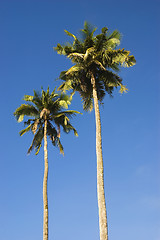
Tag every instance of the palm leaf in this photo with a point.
(27, 129)
(37, 140)
(74, 69)
(70, 34)
(88, 52)
(28, 98)
(112, 43)
(25, 109)
(60, 146)
(76, 57)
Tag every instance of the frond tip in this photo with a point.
(123, 89)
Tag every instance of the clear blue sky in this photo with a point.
(130, 125)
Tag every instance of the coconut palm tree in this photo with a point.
(48, 114)
(96, 63)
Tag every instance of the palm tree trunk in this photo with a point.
(103, 227)
(45, 180)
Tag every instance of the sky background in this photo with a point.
(130, 125)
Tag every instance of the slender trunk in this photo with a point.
(103, 227)
(45, 179)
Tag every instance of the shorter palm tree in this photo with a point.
(48, 113)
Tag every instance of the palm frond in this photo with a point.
(74, 69)
(65, 86)
(68, 127)
(99, 64)
(70, 34)
(122, 57)
(27, 129)
(37, 140)
(112, 43)
(59, 49)
(60, 146)
(25, 110)
(76, 57)
(123, 89)
(116, 34)
(28, 98)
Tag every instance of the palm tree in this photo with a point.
(48, 114)
(96, 60)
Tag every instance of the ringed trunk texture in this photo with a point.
(103, 226)
(45, 180)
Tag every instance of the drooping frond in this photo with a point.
(37, 141)
(68, 127)
(75, 68)
(68, 113)
(87, 102)
(120, 57)
(27, 129)
(59, 144)
(76, 57)
(25, 110)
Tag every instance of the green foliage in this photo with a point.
(97, 55)
(50, 106)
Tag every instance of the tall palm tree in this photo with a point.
(48, 114)
(96, 60)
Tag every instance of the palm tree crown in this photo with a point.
(97, 55)
(50, 107)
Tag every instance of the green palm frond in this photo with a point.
(28, 98)
(59, 144)
(25, 110)
(115, 34)
(87, 31)
(122, 57)
(76, 57)
(63, 104)
(65, 86)
(52, 132)
(112, 43)
(66, 98)
(70, 34)
(74, 69)
(68, 127)
(88, 52)
(123, 89)
(99, 64)
(87, 100)
(27, 129)
(37, 140)
(68, 113)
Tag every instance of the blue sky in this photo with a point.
(130, 125)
